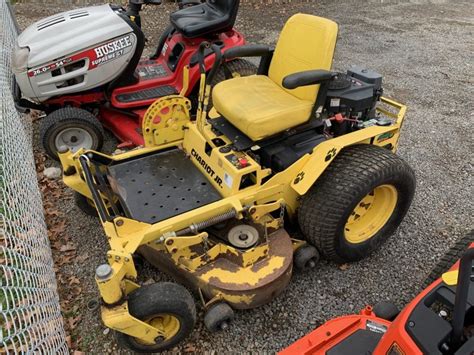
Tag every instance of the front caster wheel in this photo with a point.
(71, 127)
(218, 317)
(165, 306)
(306, 257)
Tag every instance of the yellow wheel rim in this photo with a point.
(371, 214)
(166, 323)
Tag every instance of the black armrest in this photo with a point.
(250, 50)
(305, 78)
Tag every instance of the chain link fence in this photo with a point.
(30, 317)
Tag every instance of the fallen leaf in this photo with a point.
(344, 267)
(67, 247)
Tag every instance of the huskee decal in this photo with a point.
(111, 50)
(97, 56)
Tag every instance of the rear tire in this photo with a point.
(448, 259)
(164, 299)
(71, 127)
(84, 204)
(386, 310)
(358, 173)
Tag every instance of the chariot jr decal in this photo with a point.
(207, 168)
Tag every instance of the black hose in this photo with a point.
(101, 209)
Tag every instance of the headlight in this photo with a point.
(20, 59)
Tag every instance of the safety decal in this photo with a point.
(228, 180)
(376, 327)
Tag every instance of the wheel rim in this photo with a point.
(371, 214)
(74, 139)
(169, 325)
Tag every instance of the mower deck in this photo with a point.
(160, 186)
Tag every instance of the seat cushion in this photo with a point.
(210, 17)
(258, 107)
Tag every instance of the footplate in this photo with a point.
(160, 186)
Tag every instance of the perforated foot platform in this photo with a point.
(160, 186)
(147, 94)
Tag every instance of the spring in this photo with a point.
(196, 227)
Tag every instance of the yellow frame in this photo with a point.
(125, 235)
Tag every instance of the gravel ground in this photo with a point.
(424, 50)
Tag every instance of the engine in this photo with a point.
(350, 104)
(351, 100)
(74, 51)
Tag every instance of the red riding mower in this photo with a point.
(84, 69)
(440, 320)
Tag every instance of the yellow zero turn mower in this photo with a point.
(296, 148)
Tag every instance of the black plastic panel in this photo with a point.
(160, 186)
(360, 342)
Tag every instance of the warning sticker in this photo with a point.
(376, 327)
(228, 180)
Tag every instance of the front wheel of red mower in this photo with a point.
(166, 306)
(71, 127)
(357, 203)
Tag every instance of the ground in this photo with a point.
(424, 51)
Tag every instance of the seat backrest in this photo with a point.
(306, 43)
(228, 7)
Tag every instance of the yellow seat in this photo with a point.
(259, 105)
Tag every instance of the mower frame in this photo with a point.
(177, 235)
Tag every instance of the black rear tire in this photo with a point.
(84, 204)
(164, 298)
(386, 310)
(69, 118)
(354, 173)
(448, 259)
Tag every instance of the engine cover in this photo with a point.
(73, 51)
